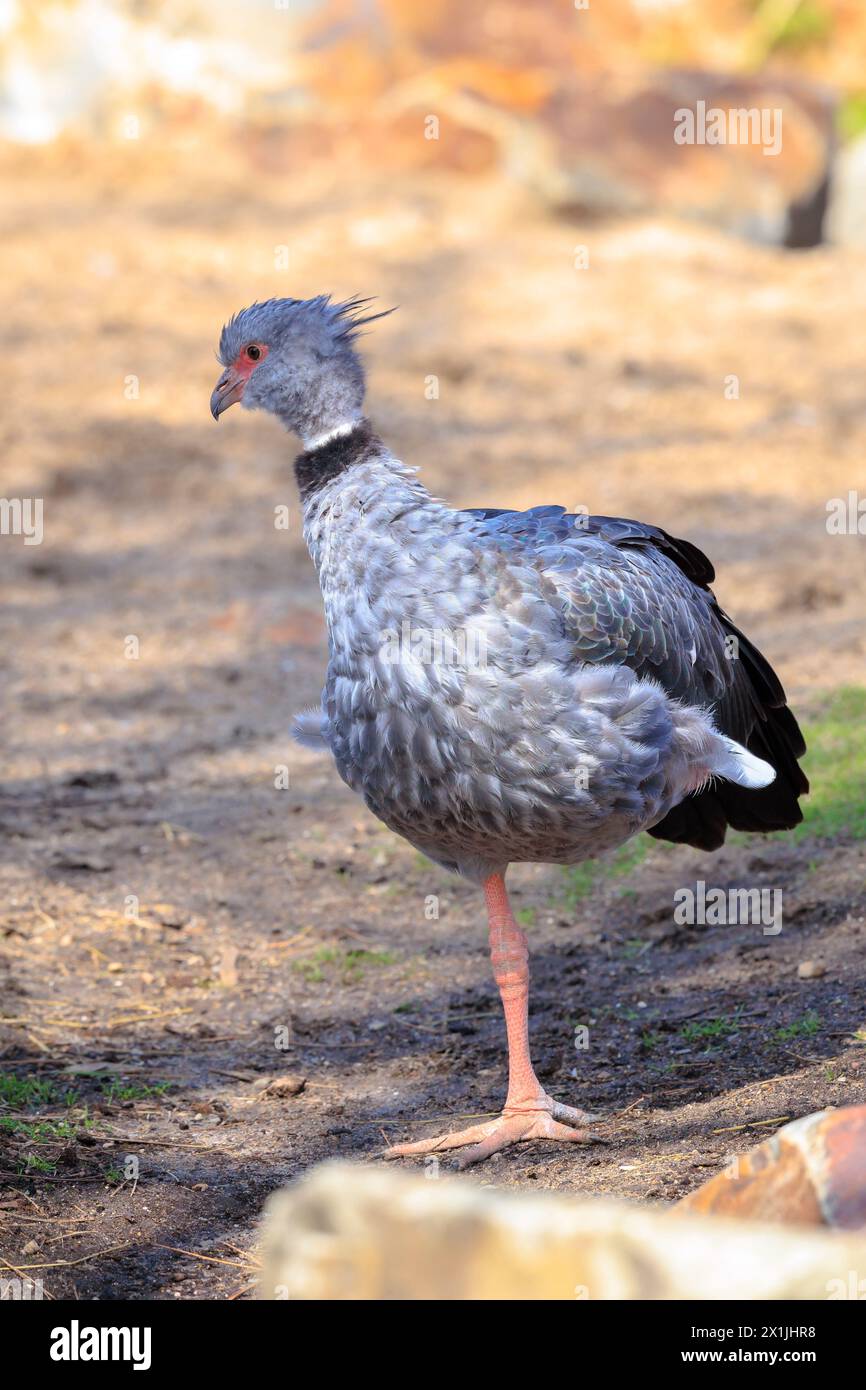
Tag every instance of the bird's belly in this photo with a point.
(493, 775)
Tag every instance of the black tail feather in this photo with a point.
(702, 820)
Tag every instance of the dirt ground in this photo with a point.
(179, 931)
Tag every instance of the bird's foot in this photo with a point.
(538, 1118)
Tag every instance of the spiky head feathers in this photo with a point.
(296, 358)
(318, 324)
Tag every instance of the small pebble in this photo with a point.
(289, 1085)
(811, 970)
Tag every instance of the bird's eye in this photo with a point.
(254, 352)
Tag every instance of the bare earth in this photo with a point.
(281, 931)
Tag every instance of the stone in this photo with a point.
(752, 154)
(846, 216)
(812, 1172)
(355, 1232)
(291, 1084)
(811, 970)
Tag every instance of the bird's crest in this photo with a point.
(327, 323)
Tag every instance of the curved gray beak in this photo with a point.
(228, 389)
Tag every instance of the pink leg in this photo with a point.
(509, 956)
(529, 1112)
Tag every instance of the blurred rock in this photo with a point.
(812, 1172)
(565, 101)
(846, 217)
(347, 1232)
(753, 154)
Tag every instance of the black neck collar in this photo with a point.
(319, 465)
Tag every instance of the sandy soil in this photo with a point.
(281, 931)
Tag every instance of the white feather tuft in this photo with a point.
(308, 729)
(737, 764)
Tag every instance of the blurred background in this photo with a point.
(591, 313)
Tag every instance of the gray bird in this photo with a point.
(507, 686)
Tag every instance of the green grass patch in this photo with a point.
(34, 1164)
(836, 767)
(634, 947)
(312, 967)
(360, 960)
(805, 1027)
(22, 1092)
(710, 1030)
(807, 25)
(835, 763)
(40, 1131)
(851, 118)
(117, 1088)
(351, 964)
(582, 879)
(29, 1093)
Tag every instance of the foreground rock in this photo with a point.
(352, 1232)
(812, 1172)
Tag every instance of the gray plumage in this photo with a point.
(325, 386)
(511, 686)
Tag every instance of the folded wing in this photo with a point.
(630, 594)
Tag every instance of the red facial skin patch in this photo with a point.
(232, 384)
(244, 365)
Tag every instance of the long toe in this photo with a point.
(455, 1139)
(503, 1132)
(513, 1128)
(552, 1121)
